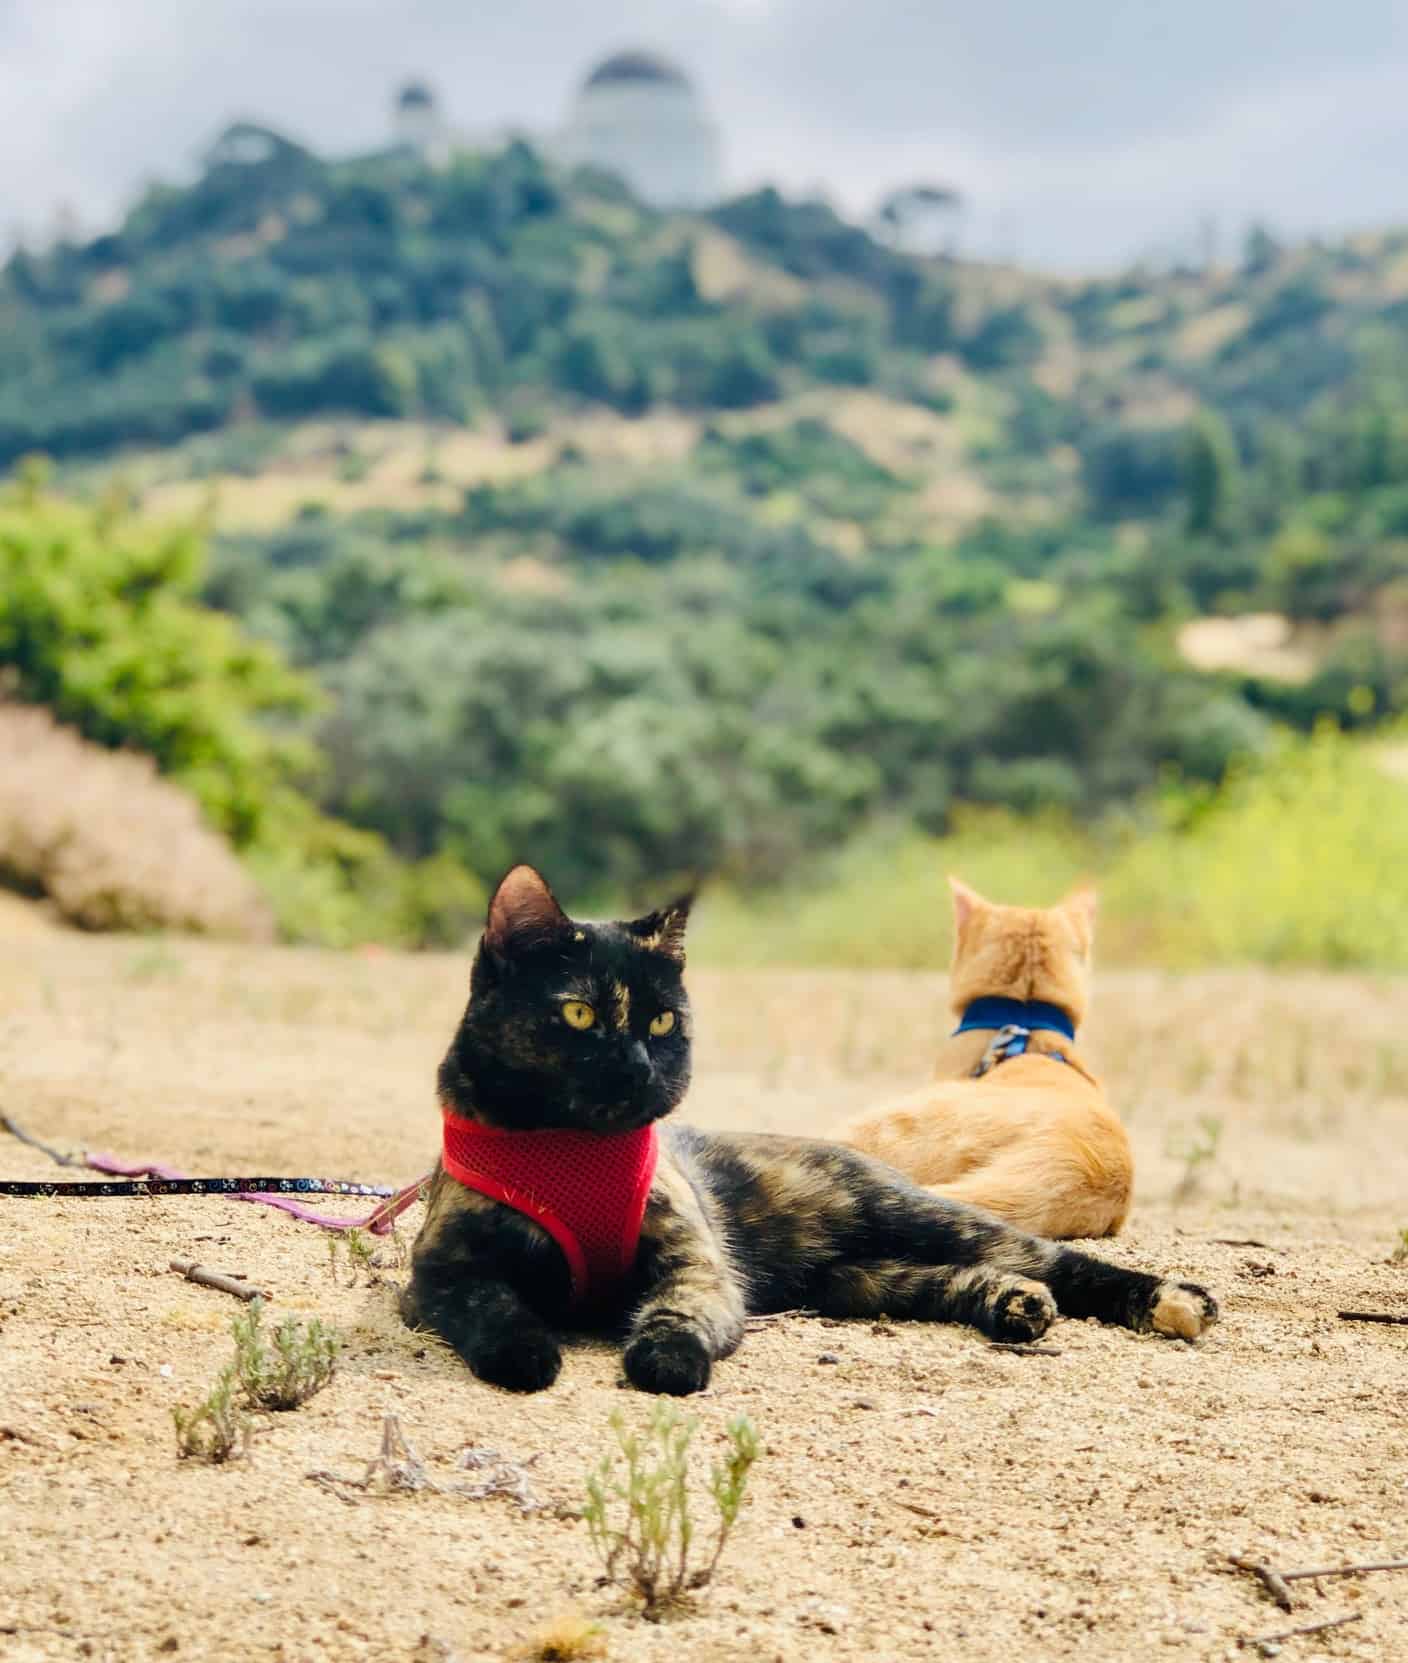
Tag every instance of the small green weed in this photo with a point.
(1197, 1151)
(296, 1362)
(216, 1429)
(650, 1552)
(1399, 1256)
(361, 1257)
(360, 1252)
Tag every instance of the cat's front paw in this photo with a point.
(671, 1360)
(1020, 1312)
(519, 1362)
(1182, 1310)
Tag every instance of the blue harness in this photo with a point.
(1014, 1021)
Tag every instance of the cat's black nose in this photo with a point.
(638, 1063)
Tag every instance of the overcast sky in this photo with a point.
(1083, 132)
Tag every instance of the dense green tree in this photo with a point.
(1210, 475)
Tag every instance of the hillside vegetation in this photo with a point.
(648, 547)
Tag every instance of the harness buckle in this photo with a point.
(1010, 1041)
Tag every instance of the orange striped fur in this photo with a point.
(1032, 1141)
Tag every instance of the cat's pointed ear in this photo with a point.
(1080, 907)
(966, 902)
(523, 913)
(663, 931)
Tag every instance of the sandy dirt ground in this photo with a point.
(920, 1494)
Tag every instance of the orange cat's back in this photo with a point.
(1032, 1137)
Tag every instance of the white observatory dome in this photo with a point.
(417, 124)
(638, 116)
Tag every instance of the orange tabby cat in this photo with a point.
(1014, 1122)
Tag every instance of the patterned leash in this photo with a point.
(148, 1179)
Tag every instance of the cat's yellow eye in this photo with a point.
(576, 1014)
(662, 1024)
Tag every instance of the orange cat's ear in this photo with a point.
(966, 902)
(1080, 907)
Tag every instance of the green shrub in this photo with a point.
(99, 622)
(295, 1363)
(638, 1507)
(216, 1429)
(1297, 861)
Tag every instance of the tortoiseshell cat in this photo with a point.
(582, 1031)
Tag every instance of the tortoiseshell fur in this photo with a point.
(735, 1223)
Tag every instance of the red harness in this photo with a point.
(587, 1189)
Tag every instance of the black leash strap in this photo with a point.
(108, 1189)
(158, 1182)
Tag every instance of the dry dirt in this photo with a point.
(921, 1496)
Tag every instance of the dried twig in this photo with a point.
(1267, 1643)
(15, 1130)
(1241, 1241)
(1373, 1316)
(40, 1628)
(919, 1508)
(237, 1285)
(397, 1469)
(1272, 1581)
(505, 1478)
(767, 1318)
(17, 1434)
(1348, 1570)
(1019, 1349)
(1277, 1583)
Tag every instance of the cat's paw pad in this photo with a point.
(1021, 1311)
(670, 1360)
(1182, 1310)
(520, 1362)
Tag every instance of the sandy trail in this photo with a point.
(921, 1496)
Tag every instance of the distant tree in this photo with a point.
(922, 309)
(1132, 470)
(1210, 474)
(1260, 250)
(745, 374)
(1007, 336)
(921, 217)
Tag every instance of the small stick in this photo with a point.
(1242, 1241)
(915, 1507)
(1373, 1316)
(15, 1130)
(768, 1317)
(20, 1436)
(1349, 1570)
(1025, 1350)
(1263, 1641)
(194, 1272)
(1274, 1583)
(1278, 1583)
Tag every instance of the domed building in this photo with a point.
(638, 115)
(417, 124)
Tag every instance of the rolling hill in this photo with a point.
(648, 545)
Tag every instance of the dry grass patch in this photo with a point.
(111, 844)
